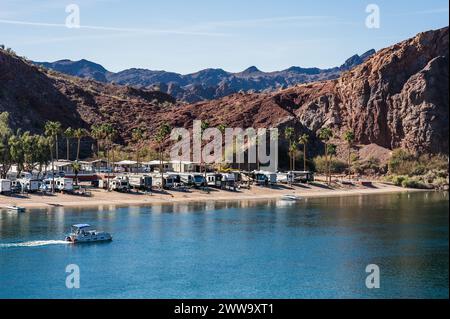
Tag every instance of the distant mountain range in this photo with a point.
(208, 84)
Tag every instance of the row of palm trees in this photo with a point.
(325, 135)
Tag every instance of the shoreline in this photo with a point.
(104, 198)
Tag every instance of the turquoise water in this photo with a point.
(314, 249)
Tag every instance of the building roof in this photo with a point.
(126, 162)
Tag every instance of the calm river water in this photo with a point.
(318, 248)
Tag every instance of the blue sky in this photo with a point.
(186, 36)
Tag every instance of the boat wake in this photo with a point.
(35, 243)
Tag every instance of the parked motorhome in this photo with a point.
(214, 179)
(265, 178)
(62, 184)
(29, 185)
(300, 176)
(169, 180)
(228, 180)
(119, 184)
(193, 179)
(5, 186)
(141, 182)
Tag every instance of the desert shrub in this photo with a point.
(413, 182)
(397, 179)
(401, 162)
(336, 165)
(404, 163)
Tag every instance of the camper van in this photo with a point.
(141, 182)
(5, 186)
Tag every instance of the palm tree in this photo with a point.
(55, 129)
(304, 139)
(52, 130)
(331, 150)
(160, 137)
(204, 126)
(79, 134)
(69, 134)
(289, 134)
(349, 137)
(137, 135)
(221, 127)
(97, 134)
(325, 134)
(292, 150)
(76, 167)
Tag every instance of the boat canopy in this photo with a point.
(80, 226)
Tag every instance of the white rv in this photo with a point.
(29, 185)
(119, 184)
(62, 184)
(5, 186)
(143, 182)
(193, 179)
(265, 178)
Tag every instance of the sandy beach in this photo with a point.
(102, 197)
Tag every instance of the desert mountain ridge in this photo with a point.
(208, 84)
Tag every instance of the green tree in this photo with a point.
(204, 126)
(76, 167)
(137, 136)
(325, 134)
(160, 137)
(98, 135)
(52, 130)
(80, 133)
(349, 137)
(69, 133)
(5, 154)
(331, 150)
(304, 140)
(17, 151)
(222, 127)
(289, 135)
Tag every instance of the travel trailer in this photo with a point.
(5, 186)
(265, 178)
(141, 182)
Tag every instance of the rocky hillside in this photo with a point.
(397, 98)
(207, 84)
(33, 95)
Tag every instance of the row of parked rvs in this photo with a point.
(146, 182)
(29, 185)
